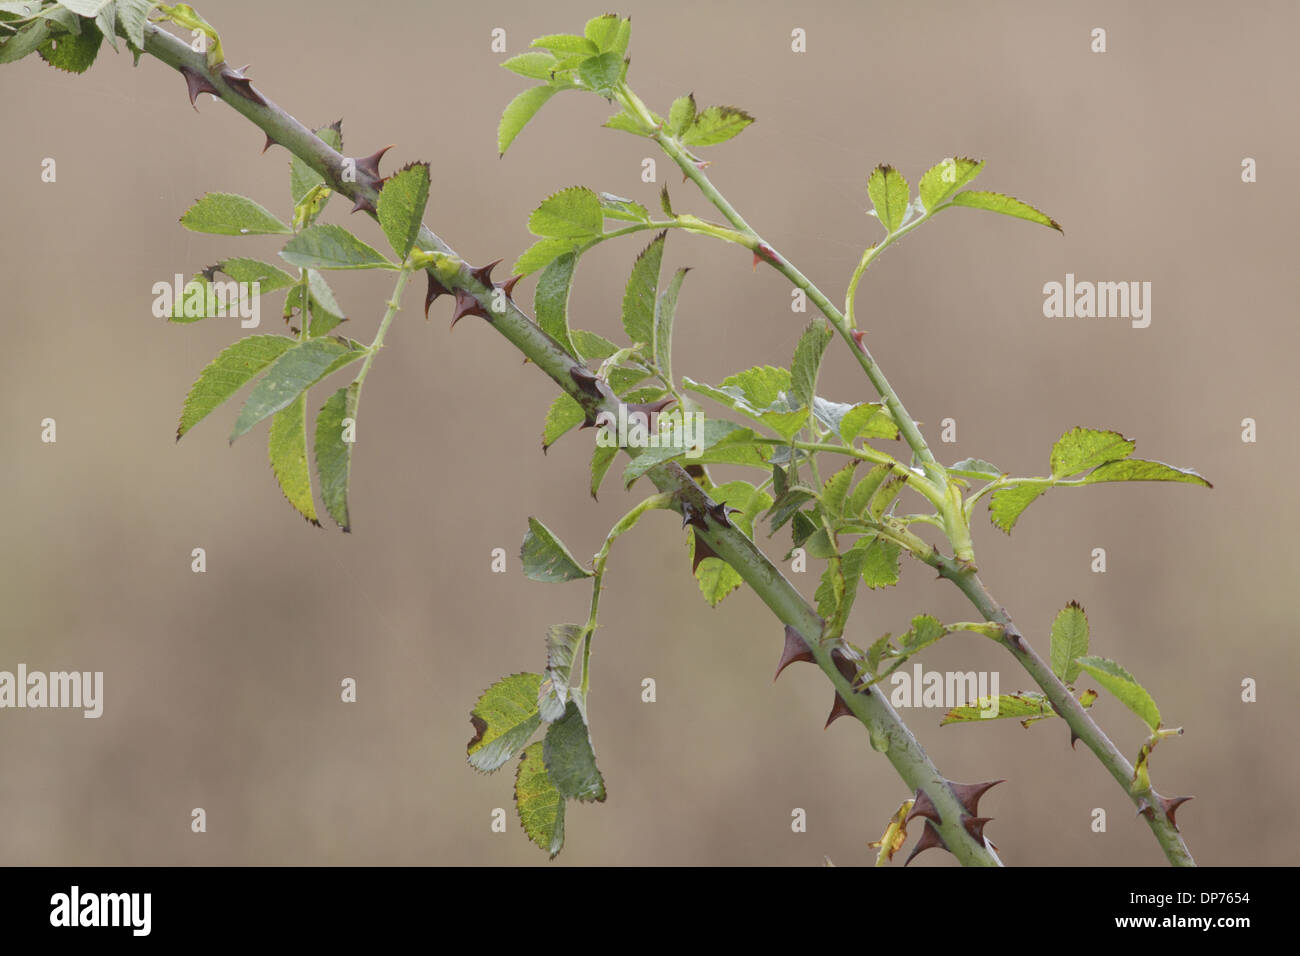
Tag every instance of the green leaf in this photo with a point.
(565, 43)
(616, 207)
(1082, 448)
(565, 413)
(1006, 504)
(33, 35)
(603, 31)
(226, 214)
(866, 488)
(73, 54)
(562, 642)
(546, 558)
(551, 299)
(131, 18)
(326, 246)
(267, 276)
(518, 112)
(401, 206)
(1028, 708)
(1124, 686)
(570, 759)
(836, 489)
(602, 73)
(85, 8)
(639, 297)
(716, 578)
(975, 468)
(335, 425)
(542, 253)
(681, 115)
(807, 361)
(326, 313)
(868, 420)
(231, 370)
(717, 124)
(627, 123)
(1069, 641)
(944, 179)
(759, 393)
(504, 718)
(540, 805)
(296, 370)
(884, 497)
(601, 458)
(665, 310)
(786, 504)
(672, 445)
(287, 448)
(572, 213)
(592, 346)
(1007, 205)
(535, 65)
(880, 565)
(1139, 469)
(889, 194)
(302, 178)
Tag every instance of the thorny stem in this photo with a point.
(887, 731)
(956, 517)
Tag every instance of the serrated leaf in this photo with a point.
(401, 207)
(665, 311)
(572, 213)
(565, 413)
(807, 361)
(296, 370)
(1069, 641)
(682, 114)
(867, 420)
(1140, 469)
(334, 453)
(975, 468)
(889, 194)
(233, 368)
(880, 562)
(536, 65)
(884, 497)
(504, 718)
(545, 557)
(565, 43)
(551, 299)
(714, 432)
(1006, 205)
(85, 8)
(227, 214)
(287, 448)
(562, 642)
(639, 296)
(1124, 686)
(865, 489)
(1026, 707)
(603, 31)
(326, 313)
(518, 112)
(540, 806)
(716, 578)
(836, 488)
(1082, 448)
(267, 276)
(786, 504)
(943, 179)
(717, 124)
(131, 18)
(541, 253)
(925, 630)
(302, 178)
(570, 760)
(326, 246)
(627, 123)
(601, 459)
(73, 54)
(616, 207)
(1007, 504)
(590, 345)
(601, 73)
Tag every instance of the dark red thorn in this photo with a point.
(857, 338)
(702, 551)
(370, 164)
(967, 794)
(1074, 738)
(466, 304)
(363, 203)
(436, 288)
(756, 269)
(840, 709)
(509, 286)
(269, 143)
(588, 382)
(651, 409)
(484, 273)
(796, 649)
(241, 84)
(975, 827)
(196, 83)
(718, 512)
(693, 516)
(1170, 806)
(929, 838)
(695, 471)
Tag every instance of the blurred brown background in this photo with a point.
(222, 689)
